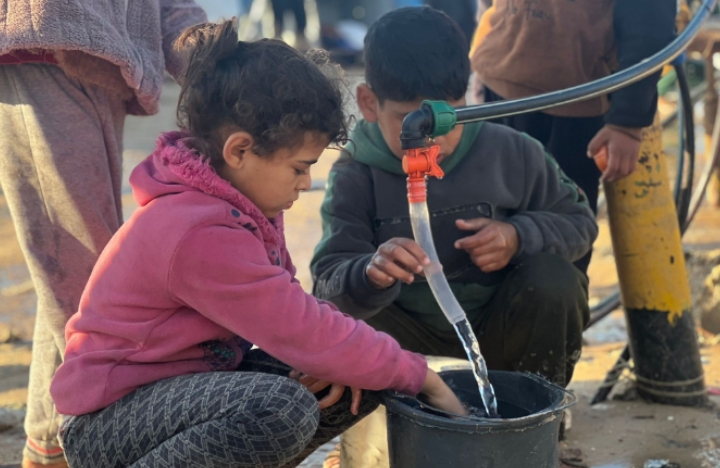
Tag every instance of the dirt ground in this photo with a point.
(614, 434)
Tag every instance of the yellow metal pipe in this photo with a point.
(646, 234)
(653, 280)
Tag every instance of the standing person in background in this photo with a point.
(297, 7)
(69, 74)
(462, 11)
(538, 46)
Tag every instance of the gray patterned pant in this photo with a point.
(256, 417)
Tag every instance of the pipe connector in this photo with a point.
(416, 127)
(433, 119)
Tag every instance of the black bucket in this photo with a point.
(526, 437)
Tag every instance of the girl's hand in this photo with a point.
(440, 395)
(336, 391)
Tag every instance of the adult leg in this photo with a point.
(568, 143)
(298, 9)
(535, 320)
(535, 124)
(279, 7)
(60, 170)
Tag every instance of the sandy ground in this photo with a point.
(615, 434)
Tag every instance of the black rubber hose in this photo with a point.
(595, 88)
(414, 124)
(696, 94)
(685, 193)
(603, 308)
(681, 150)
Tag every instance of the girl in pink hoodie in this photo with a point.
(159, 369)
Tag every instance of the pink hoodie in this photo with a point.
(190, 280)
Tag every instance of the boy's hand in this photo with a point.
(623, 146)
(397, 259)
(493, 245)
(336, 391)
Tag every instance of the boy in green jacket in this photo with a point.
(507, 222)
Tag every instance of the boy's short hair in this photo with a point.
(416, 52)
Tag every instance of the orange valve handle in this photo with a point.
(601, 159)
(418, 163)
(421, 162)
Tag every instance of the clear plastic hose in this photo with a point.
(434, 272)
(450, 306)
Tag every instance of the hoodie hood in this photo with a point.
(176, 167)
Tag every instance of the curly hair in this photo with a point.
(265, 88)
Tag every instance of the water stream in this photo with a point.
(472, 349)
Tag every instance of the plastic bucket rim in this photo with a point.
(393, 402)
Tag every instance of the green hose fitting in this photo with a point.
(444, 117)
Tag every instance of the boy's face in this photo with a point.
(390, 114)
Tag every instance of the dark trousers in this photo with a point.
(567, 139)
(297, 7)
(533, 323)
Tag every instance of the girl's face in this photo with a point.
(271, 182)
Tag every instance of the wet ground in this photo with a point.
(617, 434)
